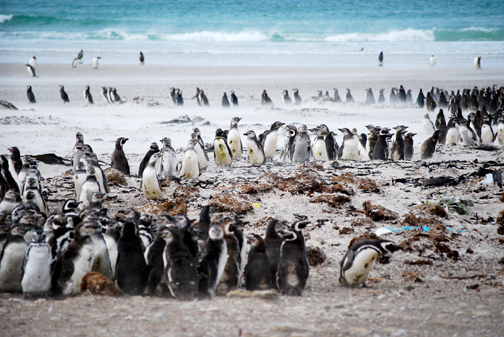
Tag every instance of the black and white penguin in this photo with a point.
(11, 259)
(64, 95)
(89, 187)
(154, 257)
(33, 62)
(336, 96)
(101, 259)
(265, 100)
(189, 238)
(225, 101)
(380, 150)
(234, 139)
(254, 148)
(180, 267)
(301, 146)
(32, 186)
(9, 173)
(332, 146)
(203, 226)
(30, 95)
(442, 100)
(87, 95)
(286, 153)
(349, 98)
(30, 70)
(428, 125)
(80, 55)
(94, 62)
(203, 159)
(286, 98)
(370, 97)
(119, 160)
(429, 146)
(74, 63)
(168, 167)
(145, 230)
(151, 188)
(202, 97)
(230, 278)
(213, 263)
(487, 134)
(432, 61)
(269, 141)
(401, 94)
(477, 62)
(154, 148)
(319, 149)
(430, 103)
(10, 200)
(380, 57)
(293, 268)
(131, 269)
(273, 242)
(350, 145)
(297, 98)
(393, 96)
(116, 96)
(381, 97)
(360, 258)
(452, 132)
(408, 146)
(141, 57)
(257, 270)
(397, 151)
(111, 236)
(36, 275)
(421, 99)
(467, 135)
(190, 165)
(409, 96)
(222, 152)
(234, 99)
(104, 94)
(16, 163)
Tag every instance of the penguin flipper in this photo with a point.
(348, 259)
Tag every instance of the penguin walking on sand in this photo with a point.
(87, 95)
(119, 160)
(11, 259)
(487, 134)
(94, 62)
(408, 146)
(257, 270)
(254, 148)
(225, 101)
(360, 258)
(30, 70)
(190, 165)
(370, 97)
(234, 139)
(151, 188)
(168, 167)
(301, 146)
(234, 99)
(429, 146)
(105, 96)
(432, 61)
(265, 100)
(222, 152)
(286, 99)
(297, 99)
(349, 97)
(213, 263)
(477, 62)
(141, 58)
(269, 140)
(154, 148)
(36, 275)
(33, 62)
(397, 152)
(64, 95)
(293, 268)
(30, 95)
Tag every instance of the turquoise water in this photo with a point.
(266, 32)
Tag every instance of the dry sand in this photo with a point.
(425, 290)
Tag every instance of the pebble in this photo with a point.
(54, 318)
(481, 313)
(161, 314)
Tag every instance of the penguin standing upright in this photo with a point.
(234, 99)
(180, 268)
(33, 62)
(408, 146)
(397, 152)
(293, 268)
(265, 100)
(203, 160)
(131, 269)
(421, 99)
(269, 140)
(477, 62)
(89, 187)
(87, 95)
(234, 139)
(257, 270)
(222, 152)
(119, 160)
(254, 149)
(213, 263)
(154, 257)
(349, 97)
(370, 97)
(230, 278)
(225, 101)
(429, 146)
(111, 237)
(273, 242)
(285, 96)
(360, 258)
(430, 103)
(301, 146)
(297, 98)
(154, 148)
(94, 62)
(190, 165)
(36, 276)
(380, 58)
(350, 146)
(319, 148)
(141, 57)
(151, 188)
(101, 260)
(432, 61)
(64, 95)
(11, 259)
(30, 70)
(380, 150)
(286, 153)
(168, 167)
(30, 95)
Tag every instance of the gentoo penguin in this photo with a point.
(429, 146)
(213, 263)
(225, 101)
(297, 98)
(119, 160)
(257, 270)
(293, 268)
(273, 242)
(154, 258)
(33, 62)
(319, 149)
(349, 98)
(222, 152)
(269, 140)
(168, 167)
(94, 62)
(380, 57)
(234, 99)
(36, 275)
(30, 95)
(31, 71)
(141, 58)
(87, 95)
(477, 62)
(234, 140)
(75, 262)
(89, 187)
(350, 146)
(80, 55)
(190, 165)
(301, 146)
(370, 97)
(286, 99)
(431, 104)
(360, 258)
(105, 96)
(254, 148)
(408, 146)
(154, 148)
(151, 188)
(101, 260)
(203, 160)
(402, 94)
(420, 99)
(397, 152)
(74, 63)
(265, 100)
(64, 95)
(428, 125)
(230, 278)
(380, 150)
(11, 259)
(131, 269)
(432, 61)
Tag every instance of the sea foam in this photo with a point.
(407, 35)
(4, 18)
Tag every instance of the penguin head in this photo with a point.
(19, 230)
(303, 128)
(219, 132)
(257, 242)
(300, 225)
(166, 141)
(288, 234)
(183, 223)
(277, 125)
(122, 140)
(215, 232)
(97, 197)
(154, 147)
(389, 246)
(228, 226)
(169, 234)
(250, 134)
(197, 131)
(29, 196)
(145, 220)
(12, 196)
(191, 144)
(235, 121)
(90, 170)
(38, 237)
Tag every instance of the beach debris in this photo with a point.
(184, 119)
(418, 262)
(315, 254)
(97, 284)
(439, 181)
(378, 212)
(362, 222)
(51, 159)
(265, 294)
(334, 200)
(412, 276)
(7, 105)
(383, 231)
(346, 230)
(455, 203)
(363, 184)
(226, 202)
(251, 188)
(115, 177)
(298, 184)
(500, 222)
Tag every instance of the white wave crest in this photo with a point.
(245, 36)
(478, 29)
(4, 18)
(407, 35)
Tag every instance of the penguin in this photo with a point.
(301, 146)
(31, 70)
(119, 160)
(203, 98)
(190, 165)
(168, 167)
(429, 146)
(431, 104)
(370, 97)
(10, 200)
(222, 152)
(297, 98)
(189, 238)
(381, 97)
(234, 140)
(36, 272)
(477, 62)
(141, 58)
(180, 267)
(349, 98)
(293, 268)
(213, 262)
(336, 97)
(402, 94)
(92, 161)
(32, 186)
(94, 62)
(397, 152)
(179, 100)
(467, 135)
(254, 149)
(151, 188)
(33, 62)
(234, 99)
(350, 146)
(203, 160)
(101, 260)
(74, 63)
(265, 100)
(80, 176)
(154, 258)
(30, 95)
(487, 134)
(432, 61)
(408, 146)
(500, 132)
(144, 230)
(87, 95)
(393, 96)
(11, 259)
(442, 101)
(75, 262)
(257, 270)
(64, 95)
(286, 99)
(286, 153)
(273, 242)
(409, 96)
(80, 55)
(269, 142)
(420, 99)
(380, 150)
(360, 258)
(105, 95)
(154, 148)
(319, 149)
(230, 278)
(16, 163)
(203, 226)
(111, 237)
(380, 57)
(131, 268)
(116, 96)
(110, 95)
(225, 101)
(89, 187)
(428, 125)
(452, 133)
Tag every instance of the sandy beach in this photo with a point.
(426, 290)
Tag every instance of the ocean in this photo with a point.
(255, 33)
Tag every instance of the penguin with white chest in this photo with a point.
(254, 149)
(213, 263)
(151, 188)
(168, 167)
(257, 270)
(301, 146)
(36, 279)
(87, 95)
(350, 146)
(190, 165)
(222, 152)
(230, 278)
(360, 259)
(269, 140)
(234, 140)
(89, 187)
(203, 160)
(119, 160)
(11, 259)
(30, 70)
(101, 260)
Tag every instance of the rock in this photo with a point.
(378, 212)
(316, 255)
(265, 294)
